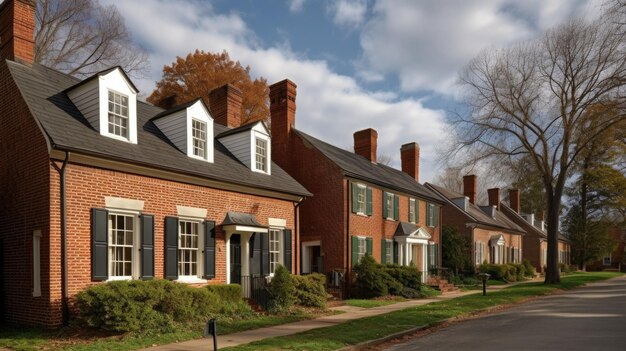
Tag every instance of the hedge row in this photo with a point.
(510, 272)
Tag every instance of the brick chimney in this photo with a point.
(283, 114)
(17, 30)
(365, 142)
(410, 156)
(167, 102)
(225, 104)
(494, 197)
(514, 200)
(470, 187)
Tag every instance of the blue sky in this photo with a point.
(388, 65)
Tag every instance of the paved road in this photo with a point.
(589, 318)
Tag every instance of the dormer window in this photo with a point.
(198, 133)
(261, 154)
(118, 114)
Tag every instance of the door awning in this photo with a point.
(242, 222)
(497, 240)
(410, 231)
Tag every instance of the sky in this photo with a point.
(388, 65)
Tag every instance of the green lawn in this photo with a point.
(360, 330)
(491, 282)
(365, 303)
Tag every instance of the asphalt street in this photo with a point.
(588, 318)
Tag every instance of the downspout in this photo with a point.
(296, 224)
(64, 292)
(348, 243)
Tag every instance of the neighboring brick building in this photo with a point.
(98, 186)
(494, 237)
(360, 206)
(614, 260)
(535, 241)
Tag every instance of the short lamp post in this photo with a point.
(484, 277)
(211, 331)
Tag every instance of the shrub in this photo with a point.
(283, 290)
(310, 290)
(409, 277)
(496, 271)
(529, 269)
(227, 292)
(410, 293)
(427, 291)
(154, 306)
(564, 268)
(373, 281)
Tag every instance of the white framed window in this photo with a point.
(199, 138)
(118, 114)
(123, 238)
(389, 251)
(276, 249)
(430, 220)
(361, 198)
(188, 247)
(389, 202)
(479, 254)
(37, 263)
(362, 249)
(261, 154)
(412, 218)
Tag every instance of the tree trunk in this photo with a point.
(552, 271)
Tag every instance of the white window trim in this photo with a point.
(412, 202)
(268, 152)
(389, 249)
(390, 212)
(281, 247)
(206, 139)
(191, 279)
(135, 257)
(116, 82)
(430, 221)
(361, 240)
(362, 187)
(37, 263)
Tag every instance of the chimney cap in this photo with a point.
(410, 146)
(286, 81)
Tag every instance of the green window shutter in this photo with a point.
(147, 246)
(355, 198)
(396, 207)
(355, 250)
(395, 252)
(369, 201)
(368, 244)
(383, 251)
(287, 260)
(437, 208)
(99, 244)
(385, 214)
(428, 214)
(417, 211)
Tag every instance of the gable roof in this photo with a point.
(242, 128)
(475, 214)
(522, 222)
(357, 166)
(67, 129)
(179, 108)
(99, 74)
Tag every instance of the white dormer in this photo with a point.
(190, 128)
(108, 100)
(251, 144)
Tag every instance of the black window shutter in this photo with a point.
(287, 249)
(417, 210)
(265, 254)
(255, 254)
(383, 251)
(209, 250)
(385, 208)
(368, 245)
(99, 244)
(369, 201)
(396, 207)
(395, 253)
(355, 198)
(147, 246)
(171, 248)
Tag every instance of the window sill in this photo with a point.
(361, 214)
(390, 219)
(116, 137)
(191, 280)
(112, 279)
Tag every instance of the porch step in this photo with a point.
(442, 285)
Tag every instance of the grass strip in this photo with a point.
(371, 328)
(364, 303)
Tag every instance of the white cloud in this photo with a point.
(426, 43)
(296, 5)
(331, 106)
(349, 13)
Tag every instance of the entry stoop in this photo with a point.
(442, 285)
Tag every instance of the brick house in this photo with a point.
(99, 186)
(535, 241)
(614, 260)
(360, 206)
(494, 237)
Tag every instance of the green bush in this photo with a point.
(227, 292)
(373, 281)
(283, 290)
(310, 290)
(427, 291)
(409, 277)
(564, 268)
(410, 293)
(497, 271)
(529, 269)
(150, 306)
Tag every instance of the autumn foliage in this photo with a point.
(200, 72)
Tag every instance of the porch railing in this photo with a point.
(256, 288)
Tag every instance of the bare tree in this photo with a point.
(82, 37)
(384, 159)
(534, 99)
(451, 178)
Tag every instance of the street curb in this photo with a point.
(390, 337)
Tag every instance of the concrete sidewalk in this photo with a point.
(350, 313)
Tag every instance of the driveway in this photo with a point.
(588, 318)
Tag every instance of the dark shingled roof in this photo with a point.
(177, 108)
(405, 228)
(476, 214)
(43, 89)
(240, 129)
(522, 222)
(241, 218)
(357, 166)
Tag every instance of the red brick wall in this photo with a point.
(88, 186)
(24, 190)
(532, 250)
